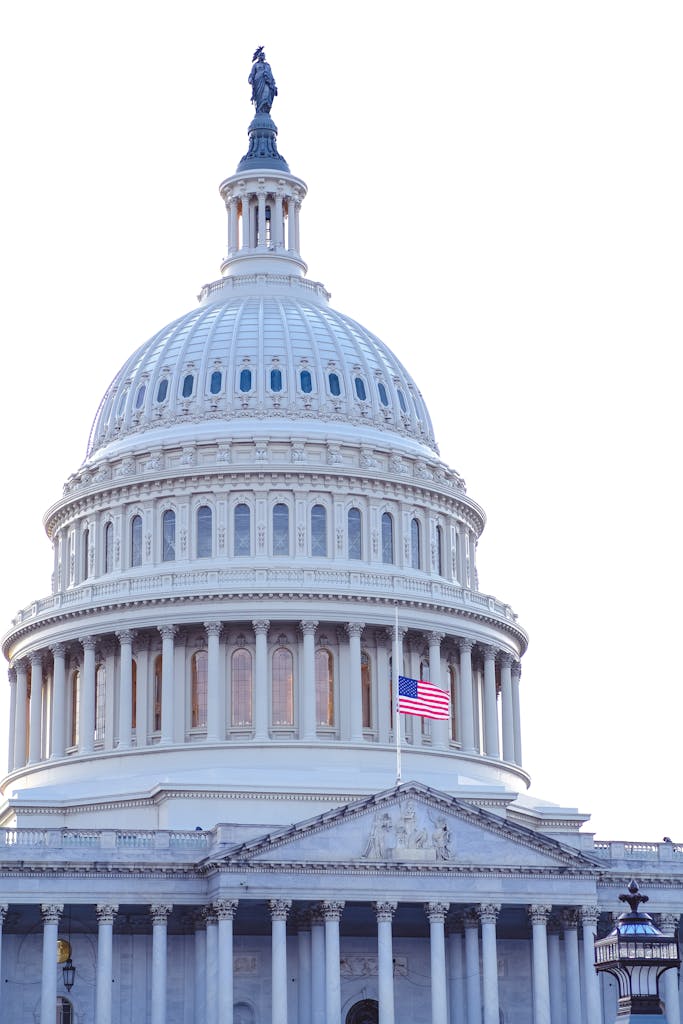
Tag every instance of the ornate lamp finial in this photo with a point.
(634, 898)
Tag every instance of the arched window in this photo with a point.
(242, 532)
(136, 541)
(280, 529)
(283, 687)
(382, 391)
(241, 715)
(366, 689)
(65, 1011)
(86, 553)
(200, 677)
(156, 694)
(319, 531)
(109, 547)
(415, 543)
(188, 385)
(453, 687)
(360, 388)
(140, 397)
(168, 536)
(216, 382)
(387, 539)
(75, 706)
(306, 382)
(162, 390)
(324, 687)
(335, 387)
(439, 550)
(355, 531)
(134, 707)
(100, 702)
(245, 381)
(276, 380)
(204, 532)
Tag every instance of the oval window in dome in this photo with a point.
(122, 402)
(162, 390)
(140, 397)
(306, 382)
(276, 380)
(188, 385)
(245, 381)
(360, 388)
(401, 400)
(216, 382)
(335, 387)
(383, 396)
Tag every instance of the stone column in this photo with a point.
(279, 909)
(103, 993)
(214, 729)
(473, 987)
(3, 914)
(555, 970)
(261, 218)
(142, 698)
(466, 699)
(86, 712)
(167, 683)
(491, 742)
(51, 913)
(488, 915)
(317, 967)
(436, 913)
(308, 695)
(589, 924)
(332, 911)
(211, 965)
(507, 711)
(304, 969)
(58, 736)
(516, 714)
(200, 969)
(440, 727)
(12, 677)
(20, 717)
(538, 914)
(385, 961)
(36, 705)
(225, 912)
(570, 924)
(246, 221)
(125, 638)
(668, 925)
(159, 913)
(260, 682)
(355, 630)
(456, 970)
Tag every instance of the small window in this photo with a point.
(162, 390)
(355, 533)
(216, 382)
(280, 529)
(319, 531)
(188, 385)
(360, 388)
(245, 381)
(387, 539)
(439, 551)
(157, 693)
(242, 534)
(86, 553)
(140, 397)
(366, 690)
(65, 1013)
(335, 387)
(204, 532)
(109, 547)
(122, 402)
(136, 541)
(383, 397)
(168, 536)
(276, 380)
(306, 382)
(401, 400)
(415, 560)
(200, 676)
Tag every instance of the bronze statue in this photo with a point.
(263, 87)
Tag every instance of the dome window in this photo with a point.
(245, 381)
(109, 547)
(188, 385)
(204, 532)
(242, 537)
(415, 559)
(162, 390)
(136, 541)
(122, 402)
(360, 388)
(335, 387)
(402, 400)
(140, 397)
(276, 380)
(216, 382)
(383, 397)
(355, 526)
(387, 539)
(280, 529)
(319, 531)
(168, 536)
(306, 382)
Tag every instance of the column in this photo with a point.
(491, 743)
(261, 715)
(555, 970)
(456, 970)
(159, 913)
(20, 718)
(51, 913)
(517, 723)
(541, 979)
(570, 924)
(589, 924)
(439, 727)
(58, 737)
(12, 676)
(214, 729)
(167, 704)
(86, 711)
(384, 687)
(225, 912)
(3, 913)
(308, 696)
(385, 961)
(35, 706)
(470, 922)
(200, 969)
(488, 915)
(261, 227)
(668, 925)
(466, 701)
(211, 965)
(246, 222)
(436, 914)
(103, 992)
(279, 909)
(318, 967)
(506, 701)
(355, 630)
(125, 638)
(304, 968)
(332, 911)
(276, 227)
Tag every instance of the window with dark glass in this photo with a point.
(75, 706)
(306, 382)
(134, 706)
(276, 380)
(156, 694)
(162, 390)
(86, 553)
(168, 536)
(360, 388)
(383, 396)
(283, 687)
(401, 400)
(109, 547)
(366, 689)
(65, 1011)
(216, 382)
(204, 532)
(245, 381)
(140, 397)
(319, 531)
(241, 715)
(200, 677)
(280, 529)
(188, 385)
(335, 387)
(242, 533)
(415, 544)
(439, 551)
(387, 539)
(136, 541)
(355, 533)
(324, 687)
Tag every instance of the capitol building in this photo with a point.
(206, 817)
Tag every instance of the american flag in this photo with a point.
(416, 697)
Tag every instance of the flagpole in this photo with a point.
(397, 717)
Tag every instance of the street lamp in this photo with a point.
(636, 954)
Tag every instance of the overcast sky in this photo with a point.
(495, 190)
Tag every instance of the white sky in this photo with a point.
(495, 190)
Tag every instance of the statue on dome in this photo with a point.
(263, 87)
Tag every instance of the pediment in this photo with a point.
(410, 824)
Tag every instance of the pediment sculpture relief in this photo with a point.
(405, 838)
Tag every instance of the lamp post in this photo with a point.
(637, 954)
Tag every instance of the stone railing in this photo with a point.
(651, 853)
(67, 840)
